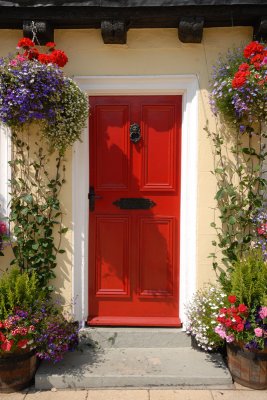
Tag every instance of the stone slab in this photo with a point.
(180, 395)
(134, 367)
(135, 337)
(239, 394)
(58, 395)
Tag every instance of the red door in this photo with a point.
(134, 210)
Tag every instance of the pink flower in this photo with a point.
(258, 332)
(3, 228)
(263, 312)
(230, 338)
(220, 331)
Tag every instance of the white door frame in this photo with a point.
(185, 85)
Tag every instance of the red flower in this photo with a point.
(228, 322)
(242, 308)
(257, 58)
(45, 58)
(25, 43)
(22, 343)
(59, 58)
(240, 327)
(51, 44)
(257, 66)
(240, 78)
(238, 319)
(243, 67)
(2, 337)
(7, 345)
(222, 320)
(232, 299)
(252, 49)
(32, 54)
(261, 82)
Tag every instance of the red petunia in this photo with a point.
(22, 343)
(252, 49)
(257, 58)
(59, 57)
(7, 345)
(2, 337)
(232, 299)
(51, 44)
(25, 43)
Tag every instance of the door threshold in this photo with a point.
(135, 321)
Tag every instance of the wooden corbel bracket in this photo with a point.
(190, 29)
(260, 30)
(114, 32)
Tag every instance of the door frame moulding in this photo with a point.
(185, 85)
(5, 171)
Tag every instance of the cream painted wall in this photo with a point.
(148, 52)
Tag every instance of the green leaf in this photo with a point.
(35, 246)
(232, 220)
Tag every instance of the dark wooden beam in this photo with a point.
(114, 32)
(43, 30)
(191, 29)
(260, 29)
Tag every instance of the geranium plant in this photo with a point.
(33, 88)
(239, 85)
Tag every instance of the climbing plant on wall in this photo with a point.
(238, 100)
(35, 93)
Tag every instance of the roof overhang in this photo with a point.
(195, 14)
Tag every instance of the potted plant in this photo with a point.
(242, 323)
(32, 327)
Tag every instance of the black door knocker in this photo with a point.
(135, 133)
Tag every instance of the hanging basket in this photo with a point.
(17, 371)
(249, 368)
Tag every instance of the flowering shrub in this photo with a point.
(239, 323)
(42, 328)
(34, 89)
(239, 85)
(202, 312)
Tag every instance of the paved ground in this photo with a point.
(239, 393)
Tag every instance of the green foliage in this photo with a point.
(249, 279)
(238, 161)
(36, 215)
(18, 290)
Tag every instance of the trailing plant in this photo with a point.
(34, 89)
(201, 314)
(249, 279)
(35, 211)
(18, 288)
(239, 96)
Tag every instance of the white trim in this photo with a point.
(187, 85)
(5, 157)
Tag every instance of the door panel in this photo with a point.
(134, 253)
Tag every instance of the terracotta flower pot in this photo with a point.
(17, 371)
(249, 368)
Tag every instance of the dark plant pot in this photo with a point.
(17, 371)
(249, 368)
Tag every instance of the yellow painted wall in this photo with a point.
(148, 52)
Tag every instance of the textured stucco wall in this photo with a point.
(148, 52)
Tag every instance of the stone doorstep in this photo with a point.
(134, 367)
(135, 337)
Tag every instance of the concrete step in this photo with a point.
(134, 337)
(93, 367)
